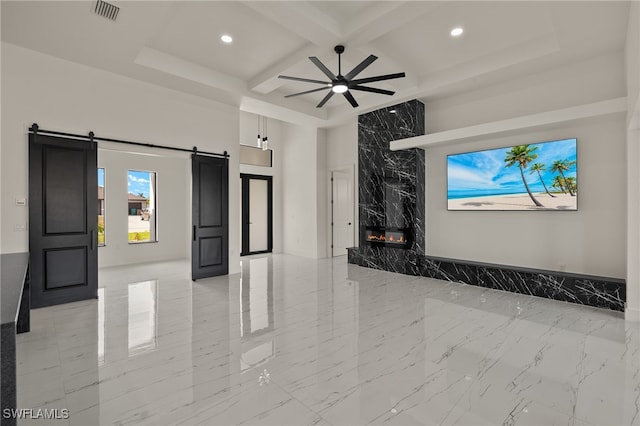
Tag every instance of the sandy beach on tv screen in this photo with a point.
(515, 202)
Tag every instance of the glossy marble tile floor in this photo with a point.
(295, 341)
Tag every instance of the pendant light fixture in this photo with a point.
(265, 139)
(259, 140)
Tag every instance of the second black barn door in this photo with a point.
(210, 217)
(63, 183)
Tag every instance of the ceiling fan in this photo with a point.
(344, 83)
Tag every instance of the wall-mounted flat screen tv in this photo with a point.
(537, 176)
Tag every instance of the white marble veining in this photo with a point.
(297, 341)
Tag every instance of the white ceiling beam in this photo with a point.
(267, 81)
(291, 113)
(161, 61)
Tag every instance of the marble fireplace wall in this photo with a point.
(389, 181)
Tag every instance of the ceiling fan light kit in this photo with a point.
(340, 87)
(343, 84)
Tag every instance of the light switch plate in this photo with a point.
(21, 201)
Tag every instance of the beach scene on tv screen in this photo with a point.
(537, 176)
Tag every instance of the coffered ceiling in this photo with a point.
(177, 44)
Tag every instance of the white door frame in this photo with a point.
(350, 170)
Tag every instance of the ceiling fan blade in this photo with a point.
(306, 80)
(305, 92)
(324, 69)
(372, 90)
(325, 99)
(378, 78)
(361, 66)
(351, 99)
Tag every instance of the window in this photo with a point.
(101, 207)
(141, 206)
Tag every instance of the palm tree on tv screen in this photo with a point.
(571, 183)
(561, 166)
(522, 155)
(558, 183)
(540, 167)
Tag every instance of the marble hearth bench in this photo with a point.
(599, 292)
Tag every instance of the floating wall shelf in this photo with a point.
(542, 119)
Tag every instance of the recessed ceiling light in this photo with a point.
(226, 38)
(393, 111)
(456, 31)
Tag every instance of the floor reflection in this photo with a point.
(256, 312)
(256, 296)
(101, 326)
(257, 356)
(143, 302)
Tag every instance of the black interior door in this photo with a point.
(210, 211)
(63, 187)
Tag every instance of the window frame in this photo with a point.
(153, 218)
(103, 209)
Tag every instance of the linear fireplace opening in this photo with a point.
(388, 237)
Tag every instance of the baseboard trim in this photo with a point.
(632, 315)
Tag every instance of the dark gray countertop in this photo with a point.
(13, 267)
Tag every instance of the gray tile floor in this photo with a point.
(297, 341)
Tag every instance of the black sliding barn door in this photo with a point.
(63, 188)
(210, 211)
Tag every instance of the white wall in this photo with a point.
(322, 187)
(583, 82)
(632, 58)
(632, 311)
(2, 198)
(61, 95)
(299, 203)
(173, 201)
(589, 241)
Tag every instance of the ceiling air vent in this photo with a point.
(106, 10)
